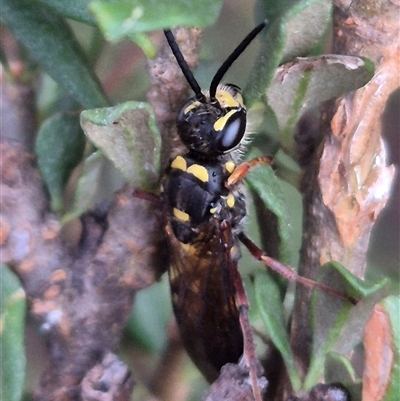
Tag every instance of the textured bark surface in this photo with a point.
(169, 88)
(347, 182)
(81, 294)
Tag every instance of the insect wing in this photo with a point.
(203, 298)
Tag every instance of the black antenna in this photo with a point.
(234, 55)
(184, 65)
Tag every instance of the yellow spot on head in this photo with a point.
(213, 210)
(226, 99)
(221, 122)
(230, 200)
(199, 172)
(191, 107)
(179, 163)
(230, 166)
(180, 215)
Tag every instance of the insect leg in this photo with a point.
(289, 273)
(249, 351)
(148, 196)
(242, 169)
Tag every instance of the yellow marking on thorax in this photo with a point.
(230, 200)
(221, 122)
(180, 215)
(230, 166)
(199, 172)
(179, 163)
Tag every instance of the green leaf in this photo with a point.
(74, 9)
(263, 181)
(270, 54)
(12, 336)
(150, 315)
(131, 19)
(52, 44)
(274, 9)
(297, 29)
(352, 332)
(338, 369)
(306, 83)
(269, 302)
(59, 146)
(89, 185)
(337, 325)
(128, 136)
(306, 25)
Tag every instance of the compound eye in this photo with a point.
(230, 129)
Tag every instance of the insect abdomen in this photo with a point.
(203, 297)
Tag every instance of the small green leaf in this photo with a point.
(351, 333)
(59, 145)
(306, 25)
(274, 9)
(297, 29)
(269, 302)
(266, 185)
(127, 134)
(336, 321)
(12, 336)
(338, 369)
(88, 187)
(131, 19)
(272, 45)
(150, 315)
(52, 44)
(306, 83)
(73, 9)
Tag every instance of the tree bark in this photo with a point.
(347, 181)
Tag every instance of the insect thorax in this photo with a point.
(195, 184)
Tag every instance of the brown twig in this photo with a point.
(80, 295)
(348, 182)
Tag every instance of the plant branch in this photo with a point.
(347, 183)
(81, 295)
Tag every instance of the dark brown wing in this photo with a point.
(203, 297)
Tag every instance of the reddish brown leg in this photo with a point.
(289, 273)
(242, 169)
(149, 196)
(249, 351)
(238, 174)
